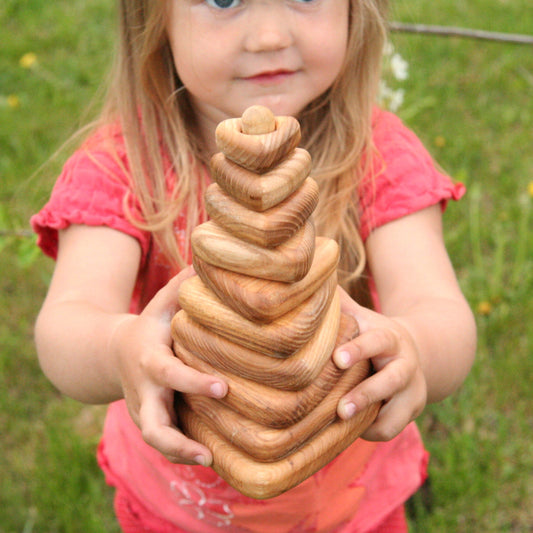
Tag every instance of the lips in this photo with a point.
(270, 77)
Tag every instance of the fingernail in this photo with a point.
(343, 359)
(217, 390)
(202, 460)
(348, 410)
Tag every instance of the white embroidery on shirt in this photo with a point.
(191, 497)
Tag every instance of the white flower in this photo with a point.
(391, 98)
(395, 69)
(399, 67)
(396, 99)
(388, 49)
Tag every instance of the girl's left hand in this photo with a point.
(398, 382)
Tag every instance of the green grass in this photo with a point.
(471, 103)
(49, 478)
(477, 119)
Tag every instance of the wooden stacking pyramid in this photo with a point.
(263, 313)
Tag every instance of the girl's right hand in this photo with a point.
(150, 374)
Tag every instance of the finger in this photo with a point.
(168, 371)
(390, 421)
(378, 342)
(375, 389)
(394, 416)
(159, 432)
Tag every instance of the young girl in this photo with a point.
(118, 224)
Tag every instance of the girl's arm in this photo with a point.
(93, 350)
(423, 344)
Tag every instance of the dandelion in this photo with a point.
(13, 101)
(440, 141)
(484, 308)
(530, 189)
(28, 60)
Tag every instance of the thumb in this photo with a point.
(165, 301)
(363, 315)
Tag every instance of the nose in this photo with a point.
(268, 27)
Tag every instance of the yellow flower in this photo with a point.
(28, 60)
(13, 101)
(440, 141)
(484, 308)
(530, 189)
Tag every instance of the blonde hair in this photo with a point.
(147, 97)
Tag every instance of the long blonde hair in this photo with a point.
(148, 99)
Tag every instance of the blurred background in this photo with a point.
(471, 102)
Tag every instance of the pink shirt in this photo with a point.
(351, 494)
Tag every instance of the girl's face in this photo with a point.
(231, 54)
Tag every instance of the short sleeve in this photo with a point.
(93, 189)
(403, 178)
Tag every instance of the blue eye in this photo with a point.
(223, 4)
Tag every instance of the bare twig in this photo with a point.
(451, 31)
(17, 233)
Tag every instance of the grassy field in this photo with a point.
(472, 104)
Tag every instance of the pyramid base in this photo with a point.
(262, 480)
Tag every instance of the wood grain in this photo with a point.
(287, 262)
(264, 314)
(258, 119)
(261, 191)
(292, 373)
(267, 444)
(267, 480)
(269, 228)
(266, 405)
(266, 300)
(278, 339)
(257, 152)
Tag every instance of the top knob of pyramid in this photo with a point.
(257, 120)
